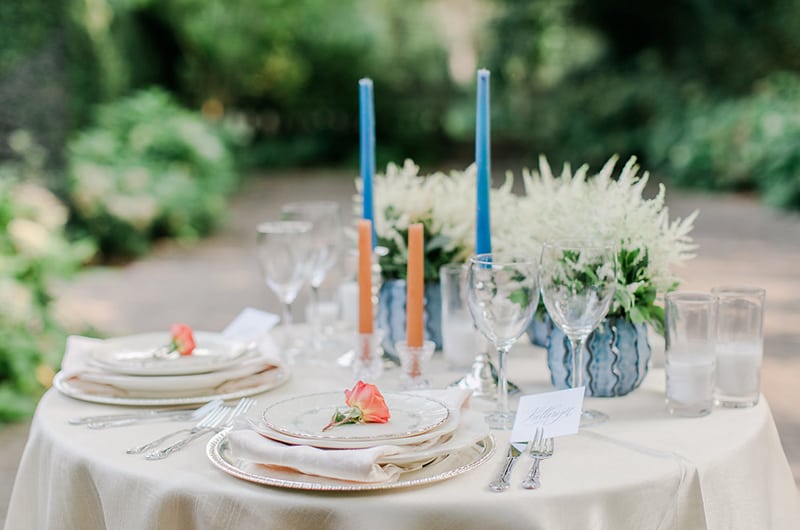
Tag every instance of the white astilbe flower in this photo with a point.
(602, 208)
(443, 203)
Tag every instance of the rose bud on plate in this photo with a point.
(365, 404)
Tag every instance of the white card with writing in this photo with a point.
(251, 324)
(558, 413)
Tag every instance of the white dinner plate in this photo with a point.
(445, 428)
(133, 355)
(305, 416)
(456, 463)
(256, 383)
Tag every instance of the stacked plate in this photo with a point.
(125, 371)
(424, 441)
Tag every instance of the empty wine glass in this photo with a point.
(578, 280)
(502, 297)
(326, 242)
(284, 254)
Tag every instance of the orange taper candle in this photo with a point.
(415, 286)
(364, 276)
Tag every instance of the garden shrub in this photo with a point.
(745, 144)
(34, 252)
(149, 168)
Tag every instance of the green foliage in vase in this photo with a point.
(149, 168)
(604, 208)
(34, 252)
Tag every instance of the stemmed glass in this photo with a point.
(578, 280)
(326, 243)
(283, 249)
(502, 297)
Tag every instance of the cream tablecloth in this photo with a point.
(641, 470)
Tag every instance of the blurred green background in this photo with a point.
(147, 113)
(704, 92)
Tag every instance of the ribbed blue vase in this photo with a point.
(539, 330)
(392, 313)
(615, 358)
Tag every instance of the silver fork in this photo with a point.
(539, 449)
(212, 418)
(240, 408)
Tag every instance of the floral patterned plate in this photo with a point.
(305, 416)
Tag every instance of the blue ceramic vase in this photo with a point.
(540, 329)
(392, 313)
(615, 358)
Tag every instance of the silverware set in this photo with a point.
(121, 420)
(214, 416)
(539, 448)
(216, 425)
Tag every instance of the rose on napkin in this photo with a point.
(182, 339)
(365, 404)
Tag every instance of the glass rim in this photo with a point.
(284, 227)
(690, 296)
(455, 266)
(503, 258)
(725, 291)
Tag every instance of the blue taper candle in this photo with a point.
(483, 232)
(367, 144)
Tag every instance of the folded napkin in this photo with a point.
(355, 465)
(380, 463)
(254, 369)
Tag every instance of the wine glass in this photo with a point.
(502, 297)
(578, 280)
(284, 253)
(326, 242)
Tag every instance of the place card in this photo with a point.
(250, 324)
(558, 413)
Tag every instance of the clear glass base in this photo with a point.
(593, 417)
(482, 379)
(736, 403)
(501, 420)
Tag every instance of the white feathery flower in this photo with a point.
(443, 203)
(601, 207)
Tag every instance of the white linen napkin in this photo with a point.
(381, 463)
(355, 465)
(77, 368)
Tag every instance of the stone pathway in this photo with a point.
(740, 242)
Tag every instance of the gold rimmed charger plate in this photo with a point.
(454, 464)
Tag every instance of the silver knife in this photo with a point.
(503, 481)
(138, 415)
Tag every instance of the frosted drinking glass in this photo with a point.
(690, 322)
(739, 345)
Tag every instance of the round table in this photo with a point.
(642, 469)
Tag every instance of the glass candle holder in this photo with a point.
(413, 363)
(368, 358)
